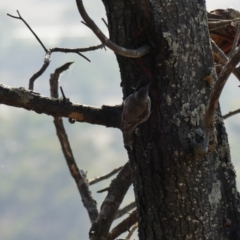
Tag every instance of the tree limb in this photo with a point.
(116, 193)
(108, 116)
(35, 35)
(213, 25)
(106, 176)
(231, 114)
(235, 42)
(217, 90)
(124, 226)
(124, 210)
(132, 231)
(77, 50)
(223, 58)
(79, 176)
(117, 49)
(209, 136)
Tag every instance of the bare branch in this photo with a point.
(35, 35)
(108, 116)
(217, 90)
(77, 50)
(235, 43)
(132, 231)
(221, 55)
(48, 52)
(79, 176)
(209, 136)
(117, 49)
(116, 193)
(223, 58)
(124, 226)
(41, 71)
(230, 114)
(54, 79)
(106, 176)
(125, 210)
(103, 190)
(106, 24)
(213, 25)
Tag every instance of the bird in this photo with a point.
(136, 110)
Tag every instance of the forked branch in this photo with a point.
(117, 49)
(116, 193)
(48, 52)
(124, 226)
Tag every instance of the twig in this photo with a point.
(132, 231)
(48, 52)
(221, 55)
(109, 116)
(103, 190)
(213, 25)
(76, 50)
(223, 58)
(79, 176)
(105, 22)
(116, 193)
(106, 176)
(63, 95)
(35, 35)
(124, 210)
(235, 43)
(124, 226)
(117, 49)
(231, 114)
(40, 72)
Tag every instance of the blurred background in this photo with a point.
(38, 197)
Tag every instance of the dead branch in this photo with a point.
(213, 25)
(132, 231)
(79, 176)
(49, 52)
(108, 116)
(220, 54)
(103, 190)
(213, 103)
(117, 49)
(124, 226)
(116, 193)
(77, 50)
(217, 90)
(35, 35)
(41, 71)
(235, 42)
(223, 58)
(230, 114)
(125, 210)
(106, 176)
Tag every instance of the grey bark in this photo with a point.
(178, 195)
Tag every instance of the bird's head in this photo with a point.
(142, 93)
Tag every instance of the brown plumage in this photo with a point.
(136, 110)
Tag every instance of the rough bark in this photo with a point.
(178, 195)
(108, 116)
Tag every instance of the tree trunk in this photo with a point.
(178, 194)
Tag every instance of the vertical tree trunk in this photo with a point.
(178, 195)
